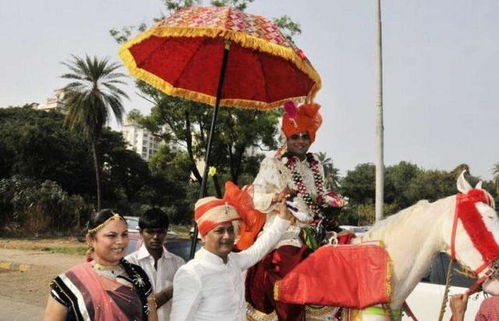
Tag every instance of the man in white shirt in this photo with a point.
(159, 264)
(211, 286)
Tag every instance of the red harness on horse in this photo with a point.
(481, 237)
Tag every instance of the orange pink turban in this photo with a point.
(237, 204)
(305, 118)
(209, 212)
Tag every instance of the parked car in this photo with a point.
(132, 222)
(426, 298)
(180, 247)
(191, 233)
(133, 227)
(357, 230)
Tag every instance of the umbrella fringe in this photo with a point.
(242, 39)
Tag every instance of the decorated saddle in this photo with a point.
(353, 276)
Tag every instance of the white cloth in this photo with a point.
(168, 264)
(206, 289)
(273, 178)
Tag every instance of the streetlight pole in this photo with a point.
(380, 168)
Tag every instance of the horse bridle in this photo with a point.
(492, 266)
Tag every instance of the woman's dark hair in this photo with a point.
(95, 224)
(101, 217)
(154, 218)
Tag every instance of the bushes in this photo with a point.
(29, 206)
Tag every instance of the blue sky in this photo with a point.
(440, 69)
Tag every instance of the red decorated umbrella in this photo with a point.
(221, 56)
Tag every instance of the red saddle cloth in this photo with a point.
(352, 276)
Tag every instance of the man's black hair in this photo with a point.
(154, 218)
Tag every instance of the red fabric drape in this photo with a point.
(354, 276)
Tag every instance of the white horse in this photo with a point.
(414, 236)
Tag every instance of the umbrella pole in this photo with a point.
(202, 192)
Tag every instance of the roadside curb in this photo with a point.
(12, 266)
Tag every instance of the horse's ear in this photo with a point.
(462, 184)
(479, 185)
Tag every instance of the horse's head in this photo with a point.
(474, 238)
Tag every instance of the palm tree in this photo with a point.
(495, 172)
(90, 96)
(331, 174)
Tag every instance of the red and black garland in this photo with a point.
(314, 206)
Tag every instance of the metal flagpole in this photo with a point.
(380, 168)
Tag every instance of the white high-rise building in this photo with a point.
(53, 103)
(140, 140)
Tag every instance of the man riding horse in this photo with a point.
(295, 174)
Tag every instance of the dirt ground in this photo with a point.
(25, 275)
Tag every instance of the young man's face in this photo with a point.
(153, 238)
(298, 144)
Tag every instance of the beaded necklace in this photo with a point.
(315, 207)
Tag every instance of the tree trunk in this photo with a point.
(380, 168)
(216, 183)
(188, 140)
(239, 159)
(97, 174)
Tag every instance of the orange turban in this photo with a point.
(237, 204)
(209, 212)
(307, 119)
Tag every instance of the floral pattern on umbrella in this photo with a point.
(182, 55)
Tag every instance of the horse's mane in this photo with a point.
(380, 229)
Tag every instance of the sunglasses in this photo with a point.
(300, 135)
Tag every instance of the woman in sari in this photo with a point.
(107, 288)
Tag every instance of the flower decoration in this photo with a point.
(332, 199)
(212, 171)
(291, 110)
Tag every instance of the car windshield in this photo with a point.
(132, 222)
(437, 273)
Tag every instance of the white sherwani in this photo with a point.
(272, 178)
(161, 278)
(207, 289)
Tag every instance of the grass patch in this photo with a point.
(66, 245)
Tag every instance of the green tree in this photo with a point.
(432, 185)
(495, 173)
(244, 134)
(331, 174)
(397, 180)
(358, 184)
(34, 206)
(89, 98)
(124, 172)
(35, 144)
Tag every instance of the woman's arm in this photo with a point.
(153, 313)
(55, 311)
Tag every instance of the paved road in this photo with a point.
(24, 280)
(16, 311)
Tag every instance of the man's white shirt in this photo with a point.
(167, 266)
(208, 289)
